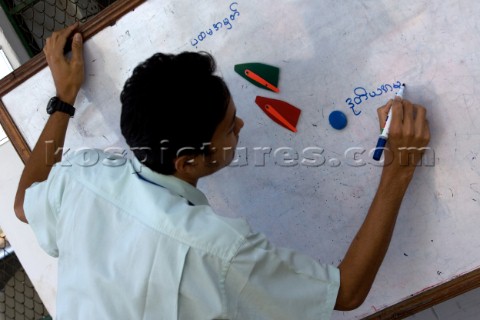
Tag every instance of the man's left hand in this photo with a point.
(68, 74)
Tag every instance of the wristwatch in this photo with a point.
(55, 104)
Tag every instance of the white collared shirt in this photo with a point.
(134, 244)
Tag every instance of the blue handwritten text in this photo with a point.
(227, 23)
(361, 95)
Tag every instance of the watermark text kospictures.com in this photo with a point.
(251, 156)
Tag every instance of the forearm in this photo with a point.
(409, 133)
(45, 153)
(368, 249)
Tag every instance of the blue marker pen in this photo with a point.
(382, 140)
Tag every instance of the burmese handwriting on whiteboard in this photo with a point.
(202, 36)
(361, 94)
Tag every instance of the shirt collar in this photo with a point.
(170, 182)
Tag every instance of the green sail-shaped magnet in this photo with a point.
(262, 75)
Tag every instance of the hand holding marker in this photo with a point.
(382, 140)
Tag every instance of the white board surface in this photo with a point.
(328, 52)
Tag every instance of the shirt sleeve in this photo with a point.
(264, 282)
(42, 207)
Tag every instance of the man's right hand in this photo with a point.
(408, 136)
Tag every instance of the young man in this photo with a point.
(137, 240)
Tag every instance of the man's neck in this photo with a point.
(189, 180)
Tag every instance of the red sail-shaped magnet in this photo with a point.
(279, 111)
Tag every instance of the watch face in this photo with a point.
(51, 105)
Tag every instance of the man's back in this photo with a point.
(134, 244)
(124, 240)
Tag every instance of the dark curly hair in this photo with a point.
(172, 103)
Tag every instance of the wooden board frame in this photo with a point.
(109, 16)
(105, 18)
(430, 297)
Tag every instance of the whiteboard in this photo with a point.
(333, 56)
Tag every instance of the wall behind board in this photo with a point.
(333, 56)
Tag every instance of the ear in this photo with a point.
(186, 165)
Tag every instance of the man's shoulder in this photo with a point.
(90, 161)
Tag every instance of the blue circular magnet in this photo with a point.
(338, 120)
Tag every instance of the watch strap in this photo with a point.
(55, 104)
